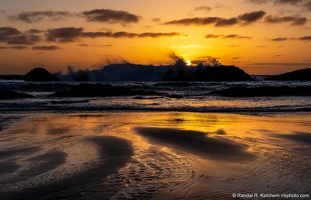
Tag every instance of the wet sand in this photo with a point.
(114, 154)
(153, 155)
(198, 143)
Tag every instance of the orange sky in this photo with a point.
(260, 36)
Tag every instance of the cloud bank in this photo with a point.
(72, 34)
(244, 19)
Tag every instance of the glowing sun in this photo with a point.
(188, 62)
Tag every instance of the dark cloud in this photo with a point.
(156, 35)
(19, 47)
(13, 36)
(14, 47)
(292, 2)
(96, 34)
(257, 1)
(302, 3)
(234, 36)
(251, 17)
(305, 38)
(243, 19)
(295, 21)
(124, 34)
(38, 16)
(67, 34)
(197, 21)
(231, 36)
(46, 48)
(282, 63)
(279, 39)
(226, 22)
(71, 34)
(26, 39)
(7, 32)
(34, 31)
(213, 36)
(90, 45)
(111, 16)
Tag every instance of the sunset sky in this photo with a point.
(259, 36)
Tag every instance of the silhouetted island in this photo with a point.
(176, 72)
(299, 75)
(208, 73)
(100, 90)
(264, 91)
(6, 94)
(40, 75)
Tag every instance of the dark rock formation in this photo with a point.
(82, 78)
(203, 73)
(40, 75)
(264, 91)
(302, 74)
(5, 94)
(100, 90)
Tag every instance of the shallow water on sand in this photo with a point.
(164, 155)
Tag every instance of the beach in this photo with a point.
(153, 155)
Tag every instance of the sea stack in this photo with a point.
(40, 75)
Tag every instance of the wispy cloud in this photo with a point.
(301, 3)
(231, 36)
(46, 48)
(14, 47)
(281, 39)
(244, 19)
(257, 1)
(291, 2)
(34, 31)
(293, 20)
(204, 9)
(191, 46)
(38, 16)
(197, 21)
(93, 45)
(124, 34)
(71, 34)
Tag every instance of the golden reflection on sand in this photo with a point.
(185, 155)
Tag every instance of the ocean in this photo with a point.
(177, 96)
